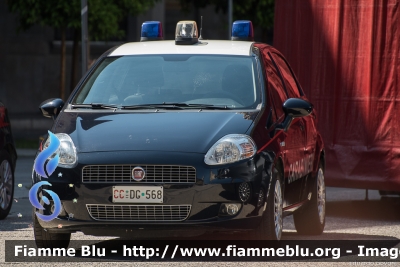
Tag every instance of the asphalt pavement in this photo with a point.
(349, 216)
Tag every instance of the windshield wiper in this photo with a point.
(201, 106)
(94, 106)
(205, 106)
(152, 106)
(172, 105)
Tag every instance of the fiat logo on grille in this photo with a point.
(138, 174)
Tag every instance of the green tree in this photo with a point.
(260, 12)
(104, 18)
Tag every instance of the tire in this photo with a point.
(271, 224)
(6, 184)
(44, 239)
(310, 219)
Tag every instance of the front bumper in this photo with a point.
(213, 186)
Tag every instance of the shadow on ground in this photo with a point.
(384, 209)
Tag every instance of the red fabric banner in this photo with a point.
(346, 55)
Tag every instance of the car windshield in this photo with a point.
(188, 80)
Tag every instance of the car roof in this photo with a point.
(209, 47)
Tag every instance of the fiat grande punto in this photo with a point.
(183, 137)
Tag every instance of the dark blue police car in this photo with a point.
(184, 137)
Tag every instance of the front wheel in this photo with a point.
(6, 184)
(310, 220)
(44, 239)
(271, 225)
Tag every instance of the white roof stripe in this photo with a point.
(169, 47)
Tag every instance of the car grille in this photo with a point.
(155, 213)
(123, 174)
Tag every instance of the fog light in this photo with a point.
(232, 209)
(229, 209)
(244, 191)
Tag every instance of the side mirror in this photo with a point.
(295, 108)
(51, 107)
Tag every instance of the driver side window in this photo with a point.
(290, 82)
(276, 89)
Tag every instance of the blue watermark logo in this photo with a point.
(45, 170)
(35, 202)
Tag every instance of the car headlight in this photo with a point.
(231, 148)
(66, 150)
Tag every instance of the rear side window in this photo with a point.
(290, 82)
(275, 87)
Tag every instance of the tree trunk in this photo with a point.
(74, 65)
(63, 63)
(89, 61)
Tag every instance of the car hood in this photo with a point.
(193, 132)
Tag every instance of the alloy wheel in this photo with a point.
(6, 183)
(321, 196)
(278, 209)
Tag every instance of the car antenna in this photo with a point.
(201, 28)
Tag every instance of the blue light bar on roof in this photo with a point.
(151, 31)
(242, 30)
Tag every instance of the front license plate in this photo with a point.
(137, 194)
